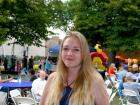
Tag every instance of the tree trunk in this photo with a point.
(112, 55)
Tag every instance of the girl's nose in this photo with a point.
(70, 52)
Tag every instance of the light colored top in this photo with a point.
(38, 86)
(120, 75)
(132, 86)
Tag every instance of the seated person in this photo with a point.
(121, 87)
(112, 71)
(32, 78)
(121, 73)
(2, 88)
(134, 68)
(9, 78)
(130, 85)
(39, 84)
(32, 75)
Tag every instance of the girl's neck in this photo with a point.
(71, 78)
(72, 74)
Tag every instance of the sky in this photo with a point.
(58, 32)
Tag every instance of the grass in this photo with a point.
(115, 101)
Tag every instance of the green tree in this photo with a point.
(23, 20)
(28, 21)
(115, 24)
(122, 28)
(88, 17)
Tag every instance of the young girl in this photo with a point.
(75, 82)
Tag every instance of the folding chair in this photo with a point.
(19, 100)
(3, 98)
(109, 91)
(14, 93)
(34, 97)
(24, 101)
(112, 93)
(131, 97)
(108, 81)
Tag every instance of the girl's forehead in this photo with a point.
(72, 38)
(71, 41)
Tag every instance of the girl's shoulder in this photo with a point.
(51, 76)
(99, 91)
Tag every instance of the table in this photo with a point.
(14, 85)
(22, 84)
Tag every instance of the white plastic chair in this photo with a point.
(34, 97)
(107, 80)
(14, 93)
(19, 100)
(24, 101)
(109, 91)
(129, 94)
(107, 83)
(3, 98)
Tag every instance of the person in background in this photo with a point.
(48, 65)
(5, 64)
(121, 87)
(3, 88)
(121, 72)
(134, 68)
(18, 66)
(13, 63)
(117, 63)
(31, 63)
(32, 78)
(129, 84)
(32, 75)
(112, 72)
(24, 64)
(75, 82)
(134, 86)
(121, 78)
(6, 80)
(39, 84)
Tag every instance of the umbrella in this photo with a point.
(54, 49)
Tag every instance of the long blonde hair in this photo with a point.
(83, 87)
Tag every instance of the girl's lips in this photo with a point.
(69, 59)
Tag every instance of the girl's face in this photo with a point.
(71, 53)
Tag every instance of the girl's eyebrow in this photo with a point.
(68, 46)
(65, 46)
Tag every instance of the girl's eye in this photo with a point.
(65, 49)
(76, 50)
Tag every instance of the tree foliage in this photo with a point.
(122, 29)
(28, 21)
(115, 24)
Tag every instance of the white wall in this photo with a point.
(6, 49)
(33, 50)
